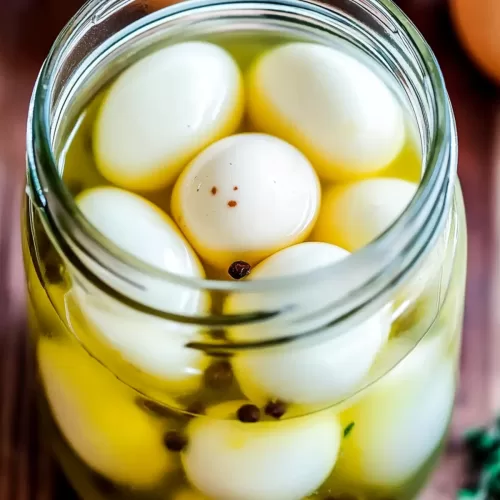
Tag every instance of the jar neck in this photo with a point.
(358, 286)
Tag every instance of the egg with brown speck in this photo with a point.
(246, 197)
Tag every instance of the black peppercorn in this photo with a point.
(275, 409)
(174, 441)
(219, 375)
(249, 414)
(239, 269)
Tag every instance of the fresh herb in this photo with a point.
(482, 481)
(349, 429)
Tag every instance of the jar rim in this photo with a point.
(377, 267)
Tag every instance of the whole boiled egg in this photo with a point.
(246, 197)
(229, 459)
(478, 25)
(155, 346)
(100, 419)
(352, 215)
(321, 373)
(328, 104)
(402, 419)
(163, 110)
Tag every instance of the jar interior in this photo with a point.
(295, 405)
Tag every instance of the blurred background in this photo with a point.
(465, 35)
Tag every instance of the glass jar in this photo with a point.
(334, 383)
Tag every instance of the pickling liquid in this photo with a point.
(124, 427)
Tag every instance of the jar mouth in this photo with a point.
(368, 273)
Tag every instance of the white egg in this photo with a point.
(353, 215)
(285, 460)
(245, 197)
(328, 104)
(157, 349)
(156, 346)
(322, 373)
(163, 110)
(403, 418)
(100, 419)
(141, 229)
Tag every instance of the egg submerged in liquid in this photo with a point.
(332, 107)
(154, 345)
(163, 110)
(354, 214)
(321, 373)
(99, 417)
(400, 421)
(246, 197)
(227, 459)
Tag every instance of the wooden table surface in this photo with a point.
(27, 28)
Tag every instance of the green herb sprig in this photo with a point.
(483, 448)
(348, 429)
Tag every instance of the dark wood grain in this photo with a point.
(27, 28)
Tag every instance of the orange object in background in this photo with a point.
(154, 5)
(478, 26)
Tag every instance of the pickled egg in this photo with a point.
(267, 460)
(246, 197)
(321, 373)
(100, 419)
(352, 215)
(154, 345)
(328, 104)
(403, 417)
(163, 110)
